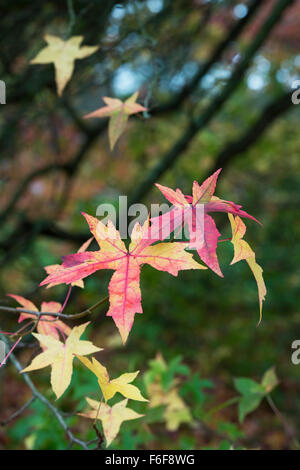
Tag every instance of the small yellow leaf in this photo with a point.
(269, 380)
(243, 251)
(60, 357)
(63, 54)
(119, 112)
(111, 417)
(110, 387)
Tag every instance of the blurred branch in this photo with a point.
(69, 168)
(216, 55)
(52, 408)
(18, 412)
(289, 431)
(57, 315)
(169, 159)
(269, 114)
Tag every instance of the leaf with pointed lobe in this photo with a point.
(60, 355)
(63, 55)
(124, 287)
(118, 112)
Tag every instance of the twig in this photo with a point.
(36, 394)
(72, 18)
(287, 428)
(18, 412)
(75, 316)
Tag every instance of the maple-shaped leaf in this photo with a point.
(242, 250)
(110, 387)
(50, 269)
(63, 55)
(60, 357)
(124, 286)
(194, 211)
(47, 324)
(111, 416)
(118, 112)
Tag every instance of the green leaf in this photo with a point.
(248, 386)
(247, 404)
(231, 430)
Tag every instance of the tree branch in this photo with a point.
(269, 114)
(36, 394)
(216, 55)
(169, 159)
(18, 412)
(39, 315)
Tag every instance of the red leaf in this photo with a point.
(203, 235)
(124, 287)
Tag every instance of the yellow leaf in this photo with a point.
(119, 112)
(63, 54)
(243, 251)
(111, 417)
(269, 380)
(60, 357)
(110, 387)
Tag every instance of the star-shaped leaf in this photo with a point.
(124, 287)
(60, 357)
(63, 54)
(111, 416)
(110, 387)
(119, 112)
(193, 211)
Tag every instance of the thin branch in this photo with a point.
(69, 168)
(289, 431)
(18, 412)
(73, 439)
(216, 55)
(267, 117)
(57, 315)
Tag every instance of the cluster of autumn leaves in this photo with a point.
(146, 247)
(60, 344)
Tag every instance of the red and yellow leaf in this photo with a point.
(119, 112)
(47, 324)
(193, 211)
(124, 287)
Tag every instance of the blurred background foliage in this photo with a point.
(53, 165)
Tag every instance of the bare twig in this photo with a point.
(18, 412)
(39, 315)
(36, 394)
(289, 431)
